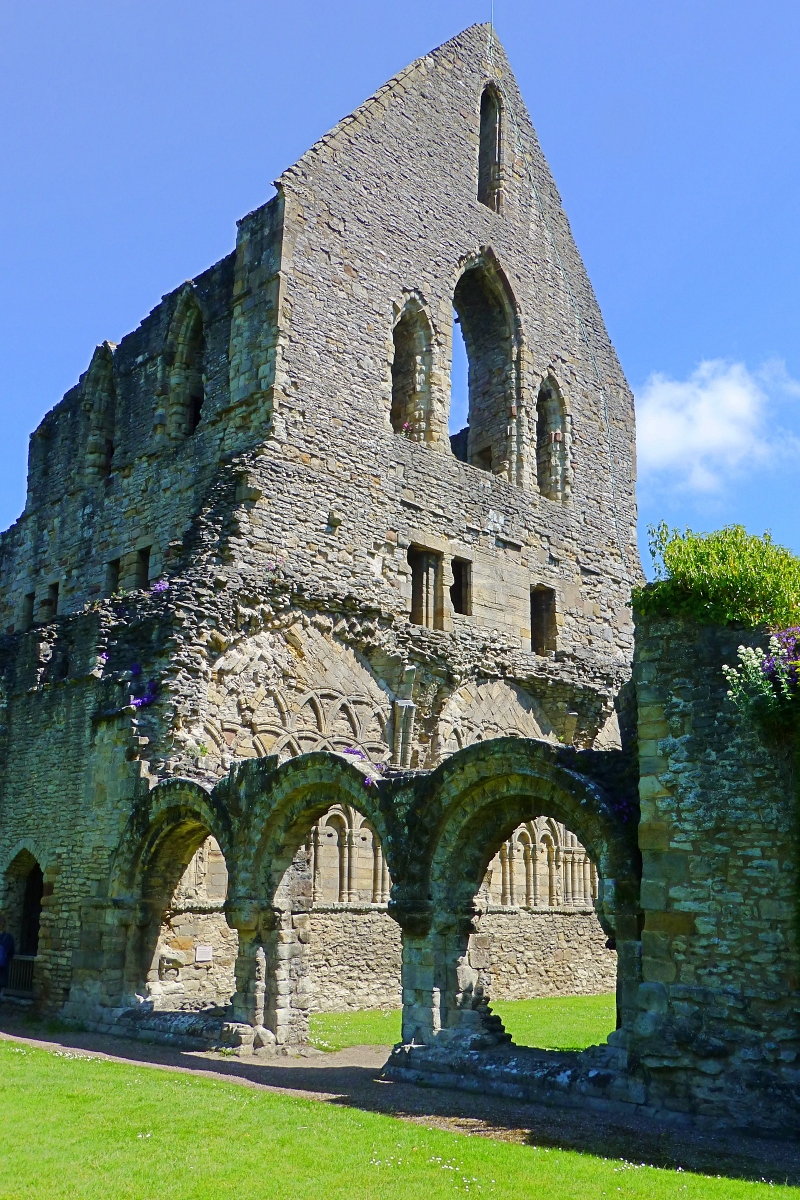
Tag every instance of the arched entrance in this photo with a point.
(169, 889)
(467, 812)
(22, 908)
(319, 831)
(536, 914)
(354, 945)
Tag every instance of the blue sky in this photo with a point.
(134, 134)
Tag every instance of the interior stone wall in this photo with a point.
(193, 966)
(355, 956)
(551, 953)
(354, 959)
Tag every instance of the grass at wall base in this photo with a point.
(548, 1022)
(77, 1128)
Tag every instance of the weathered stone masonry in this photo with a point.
(238, 450)
(256, 581)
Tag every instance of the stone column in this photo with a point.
(421, 996)
(531, 889)
(249, 1030)
(504, 888)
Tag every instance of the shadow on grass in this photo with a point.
(347, 1079)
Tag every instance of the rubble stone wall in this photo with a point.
(555, 953)
(719, 999)
(355, 959)
(355, 956)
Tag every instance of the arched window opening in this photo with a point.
(538, 932)
(22, 909)
(410, 413)
(490, 183)
(487, 320)
(553, 443)
(187, 378)
(182, 957)
(100, 399)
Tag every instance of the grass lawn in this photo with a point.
(551, 1022)
(87, 1129)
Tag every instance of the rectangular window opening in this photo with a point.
(112, 577)
(483, 459)
(461, 587)
(48, 604)
(143, 567)
(543, 620)
(426, 588)
(26, 617)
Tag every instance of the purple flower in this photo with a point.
(160, 585)
(783, 661)
(136, 669)
(150, 695)
(354, 751)
(368, 781)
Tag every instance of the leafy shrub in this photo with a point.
(721, 577)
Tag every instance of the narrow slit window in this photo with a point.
(112, 577)
(195, 406)
(461, 587)
(489, 154)
(143, 567)
(26, 616)
(49, 603)
(543, 620)
(426, 588)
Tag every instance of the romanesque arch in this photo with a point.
(464, 813)
(272, 897)
(167, 886)
(483, 709)
(553, 442)
(413, 413)
(291, 693)
(182, 366)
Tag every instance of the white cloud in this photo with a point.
(699, 433)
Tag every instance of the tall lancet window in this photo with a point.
(553, 443)
(490, 191)
(411, 374)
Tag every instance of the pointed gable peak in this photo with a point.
(475, 50)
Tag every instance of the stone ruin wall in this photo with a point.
(195, 955)
(297, 329)
(355, 946)
(279, 529)
(719, 1022)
